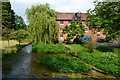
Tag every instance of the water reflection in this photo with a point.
(20, 64)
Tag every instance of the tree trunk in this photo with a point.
(19, 42)
(8, 43)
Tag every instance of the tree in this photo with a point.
(20, 24)
(19, 35)
(8, 18)
(8, 23)
(76, 28)
(42, 23)
(106, 16)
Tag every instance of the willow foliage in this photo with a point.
(42, 23)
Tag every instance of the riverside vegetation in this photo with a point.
(106, 60)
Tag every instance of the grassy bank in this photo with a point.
(12, 48)
(62, 63)
(105, 59)
(49, 48)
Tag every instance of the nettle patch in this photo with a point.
(66, 64)
(110, 55)
(49, 48)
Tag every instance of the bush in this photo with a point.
(104, 49)
(89, 45)
(67, 64)
(49, 48)
(8, 52)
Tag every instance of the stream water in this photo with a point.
(26, 65)
(19, 65)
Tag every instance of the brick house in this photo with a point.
(64, 19)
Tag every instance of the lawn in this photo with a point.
(4, 44)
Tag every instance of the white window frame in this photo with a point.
(87, 29)
(61, 37)
(98, 31)
(61, 29)
(97, 35)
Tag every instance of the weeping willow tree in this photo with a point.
(42, 23)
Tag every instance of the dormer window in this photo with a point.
(78, 16)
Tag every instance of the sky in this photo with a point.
(20, 6)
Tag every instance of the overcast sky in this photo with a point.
(59, 5)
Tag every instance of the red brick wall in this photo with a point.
(86, 32)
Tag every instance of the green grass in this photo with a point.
(104, 58)
(66, 64)
(49, 48)
(76, 48)
(10, 51)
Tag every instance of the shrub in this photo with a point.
(104, 49)
(90, 46)
(49, 48)
(8, 52)
(67, 64)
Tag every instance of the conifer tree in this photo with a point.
(8, 20)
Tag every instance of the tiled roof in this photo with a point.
(70, 16)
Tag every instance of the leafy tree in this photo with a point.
(42, 23)
(20, 24)
(76, 28)
(106, 16)
(20, 35)
(7, 34)
(8, 23)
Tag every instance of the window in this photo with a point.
(61, 36)
(69, 23)
(61, 29)
(98, 30)
(98, 35)
(85, 23)
(69, 16)
(86, 29)
(61, 22)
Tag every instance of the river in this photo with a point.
(19, 65)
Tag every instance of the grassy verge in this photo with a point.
(10, 49)
(62, 63)
(49, 48)
(104, 59)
